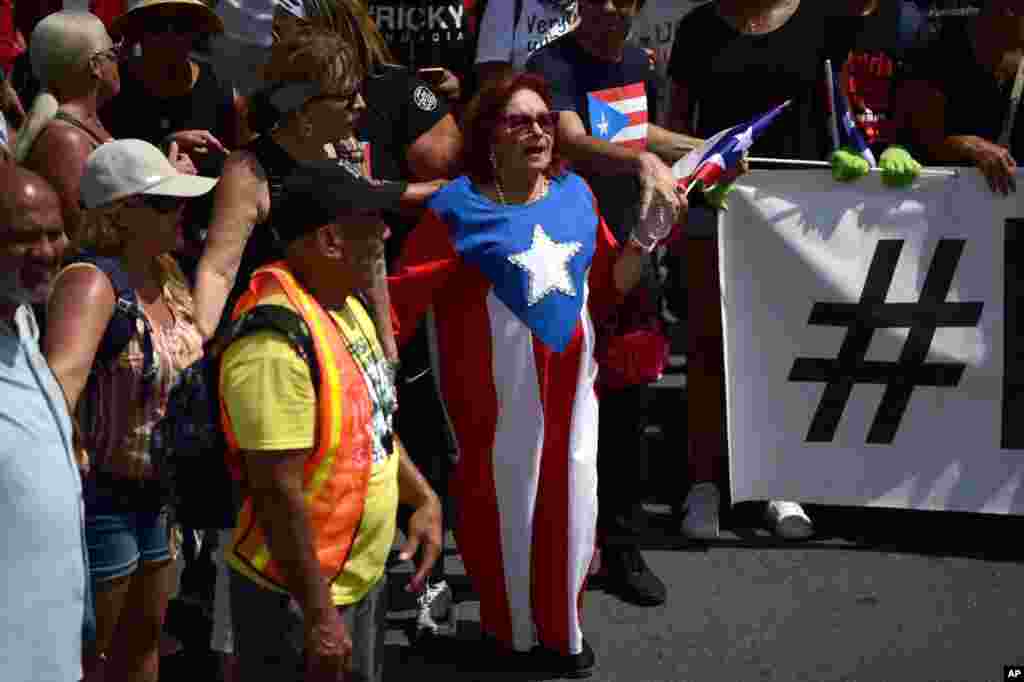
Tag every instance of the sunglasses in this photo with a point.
(113, 53)
(160, 203)
(161, 25)
(519, 124)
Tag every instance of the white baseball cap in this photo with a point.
(122, 168)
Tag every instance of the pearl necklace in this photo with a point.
(543, 190)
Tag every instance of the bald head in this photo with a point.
(63, 42)
(22, 191)
(32, 237)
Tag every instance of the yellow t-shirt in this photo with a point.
(271, 401)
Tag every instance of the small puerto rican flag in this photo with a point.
(722, 152)
(619, 115)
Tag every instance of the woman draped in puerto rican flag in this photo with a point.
(517, 268)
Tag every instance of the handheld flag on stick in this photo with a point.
(722, 152)
(848, 134)
(830, 96)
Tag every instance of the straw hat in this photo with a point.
(130, 23)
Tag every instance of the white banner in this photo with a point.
(865, 334)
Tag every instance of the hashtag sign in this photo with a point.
(871, 312)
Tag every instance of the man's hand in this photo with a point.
(442, 80)
(180, 160)
(424, 534)
(195, 142)
(995, 163)
(450, 87)
(417, 193)
(656, 180)
(328, 646)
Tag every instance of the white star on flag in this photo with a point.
(745, 139)
(547, 264)
(602, 126)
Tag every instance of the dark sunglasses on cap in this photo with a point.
(161, 203)
(161, 25)
(518, 124)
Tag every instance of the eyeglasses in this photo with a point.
(519, 124)
(113, 53)
(161, 203)
(161, 25)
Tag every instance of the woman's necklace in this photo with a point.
(534, 194)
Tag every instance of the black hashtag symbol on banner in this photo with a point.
(872, 312)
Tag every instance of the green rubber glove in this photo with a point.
(899, 169)
(848, 165)
(717, 195)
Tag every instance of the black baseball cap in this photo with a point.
(317, 193)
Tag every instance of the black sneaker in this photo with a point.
(488, 655)
(568, 666)
(628, 576)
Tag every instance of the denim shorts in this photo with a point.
(119, 541)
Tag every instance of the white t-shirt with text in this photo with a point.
(539, 24)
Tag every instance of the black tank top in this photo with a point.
(262, 246)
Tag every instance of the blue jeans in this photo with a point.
(119, 541)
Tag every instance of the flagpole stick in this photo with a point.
(833, 117)
(808, 163)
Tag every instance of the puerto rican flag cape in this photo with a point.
(514, 293)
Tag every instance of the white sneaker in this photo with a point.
(431, 606)
(789, 520)
(701, 520)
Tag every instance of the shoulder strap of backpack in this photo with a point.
(284, 321)
(127, 310)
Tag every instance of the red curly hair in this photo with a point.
(481, 124)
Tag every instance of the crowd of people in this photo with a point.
(281, 277)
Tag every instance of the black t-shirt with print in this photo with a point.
(426, 33)
(875, 54)
(575, 76)
(733, 77)
(399, 109)
(976, 104)
(137, 114)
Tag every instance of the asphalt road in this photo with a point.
(878, 596)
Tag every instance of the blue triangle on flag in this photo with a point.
(605, 122)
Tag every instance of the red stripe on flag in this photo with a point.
(638, 117)
(553, 599)
(474, 415)
(624, 92)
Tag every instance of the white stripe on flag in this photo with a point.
(516, 457)
(631, 133)
(633, 105)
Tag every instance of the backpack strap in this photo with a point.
(282, 320)
(127, 312)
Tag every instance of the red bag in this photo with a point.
(632, 348)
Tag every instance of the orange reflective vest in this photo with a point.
(338, 472)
